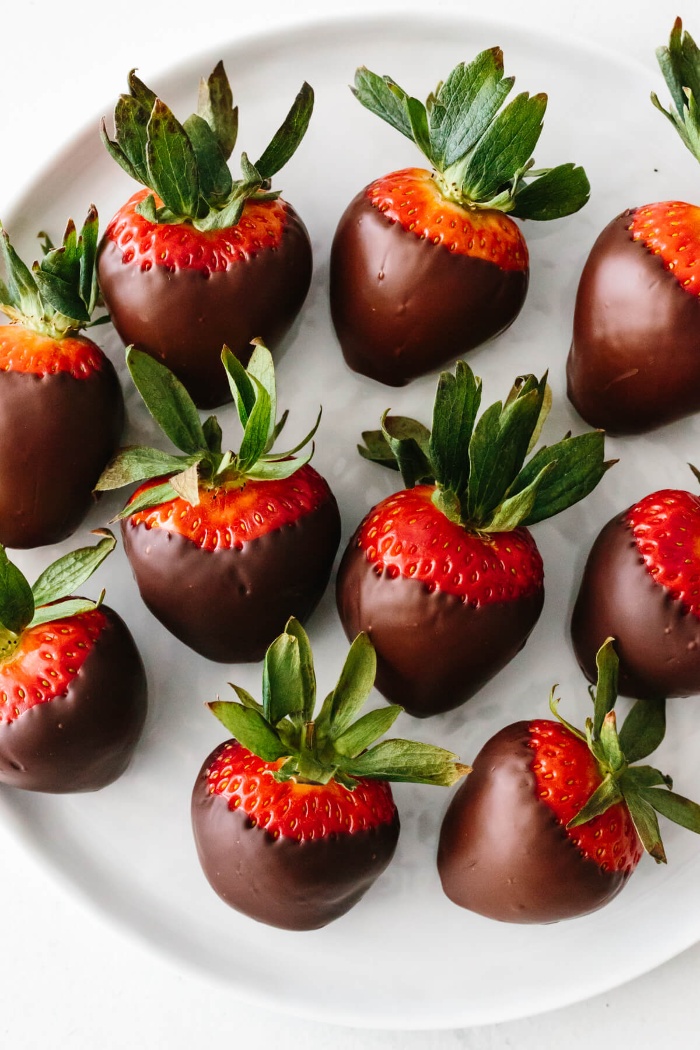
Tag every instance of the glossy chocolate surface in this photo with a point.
(282, 882)
(634, 362)
(402, 306)
(183, 319)
(57, 434)
(656, 638)
(503, 854)
(433, 651)
(229, 605)
(83, 740)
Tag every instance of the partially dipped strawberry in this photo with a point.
(444, 576)
(224, 546)
(552, 822)
(641, 584)
(634, 362)
(427, 264)
(294, 818)
(72, 683)
(61, 406)
(199, 259)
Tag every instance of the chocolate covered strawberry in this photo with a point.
(427, 264)
(444, 576)
(72, 684)
(294, 818)
(641, 585)
(634, 362)
(224, 546)
(199, 259)
(552, 821)
(61, 406)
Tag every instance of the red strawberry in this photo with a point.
(197, 260)
(634, 362)
(61, 406)
(224, 547)
(551, 823)
(425, 264)
(444, 576)
(641, 584)
(294, 819)
(72, 684)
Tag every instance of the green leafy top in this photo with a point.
(338, 743)
(644, 790)
(185, 165)
(478, 467)
(680, 65)
(58, 295)
(22, 605)
(203, 461)
(481, 153)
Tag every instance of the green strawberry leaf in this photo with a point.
(172, 163)
(246, 699)
(240, 384)
(606, 795)
(418, 117)
(647, 826)
(20, 290)
(643, 729)
(277, 470)
(215, 181)
(186, 484)
(213, 434)
(505, 147)
(680, 810)
(448, 503)
(150, 497)
(353, 687)
(215, 105)
(607, 664)
(637, 777)
(407, 761)
(552, 194)
(257, 428)
(289, 135)
(456, 405)
(250, 729)
(117, 153)
(384, 98)
(65, 575)
(610, 743)
(87, 251)
(16, 598)
(261, 367)
(131, 116)
(140, 463)
(578, 467)
(139, 91)
(363, 733)
(307, 675)
(409, 442)
(63, 610)
(516, 509)
(283, 684)
(167, 400)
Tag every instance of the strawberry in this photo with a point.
(426, 265)
(61, 406)
(196, 259)
(294, 818)
(641, 585)
(224, 547)
(634, 362)
(72, 683)
(552, 821)
(444, 576)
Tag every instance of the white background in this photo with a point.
(71, 980)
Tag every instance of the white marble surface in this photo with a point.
(71, 980)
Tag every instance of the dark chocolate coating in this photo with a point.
(83, 740)
(184, 318)
(433, 651)
(402, 306)
(656, 638)
(282, 882)
(634, 362)
(229, 605)
(503, 854)
(57, 434)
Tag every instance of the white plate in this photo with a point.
(405, 957)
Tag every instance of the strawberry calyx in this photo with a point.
(645, 791)
(24, 606)
(204, 464)
(335, 744)
(478, 468)
(185, 165)
(679, 62)
(58, 295)
(481, 153)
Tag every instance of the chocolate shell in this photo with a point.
(184, 318)
(229, 605)
(503, 854)
(634, 362)
(434, 652)
(56, 435)
(83, 740)
(656, 638)
(282, 882)
(403, 306)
